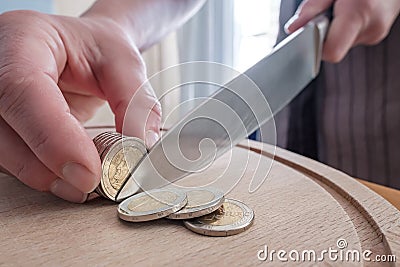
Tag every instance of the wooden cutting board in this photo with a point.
(302, 205)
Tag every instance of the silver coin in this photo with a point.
(118, 161)
(232, 218)
(151, 205)
(201, 201)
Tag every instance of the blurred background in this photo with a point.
(237, 33)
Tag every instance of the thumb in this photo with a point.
(132, 99)
(307, 10)
(33, 106)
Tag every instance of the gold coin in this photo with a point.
(154, 202)
(232, 218)
(201, 201)
(151, 205)
(106, 144)
(103, 140)
(119, 156)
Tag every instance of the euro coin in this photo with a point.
(151, 205)
(104, 140)
(201, 201)
(119, 156)
(232, 218)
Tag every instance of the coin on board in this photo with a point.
(232, 218)
(201, 201)
(119, 156)
(152, 205)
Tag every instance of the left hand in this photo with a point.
(55, 72)
(355, 22)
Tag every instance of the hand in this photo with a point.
(54, 73)
(355, 22)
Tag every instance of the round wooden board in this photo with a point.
(301, 205)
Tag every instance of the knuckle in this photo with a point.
(333, 56)
(374, 39)
(15, 29)
(42, 186)
(39, 141)
(13, 97)
(14, 103)
(43, 183)
(307, 5)
(21, 170)
(29, 174)
(17, 23)
(380, 31)
(133, 55)
(376, 33)
(26, 14)
(122, 43)
(312, 7)
(120, 107)
(157, 108)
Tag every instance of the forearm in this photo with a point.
(146, 21)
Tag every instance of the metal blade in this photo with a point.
(233, 112)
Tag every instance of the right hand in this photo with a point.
(54, 73)
(355, 22)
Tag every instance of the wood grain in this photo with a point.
(390, 194)
(301, 205)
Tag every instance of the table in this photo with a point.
(302, 205)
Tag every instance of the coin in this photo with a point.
(119, 156)
(104, 139)
(233, 218)
(151, 205)
(201, 201)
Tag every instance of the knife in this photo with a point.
(233, 112)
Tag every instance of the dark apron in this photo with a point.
(349, 116)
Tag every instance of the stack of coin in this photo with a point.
(201, 201)
(203, 210)
(119, 156)
(146, 207)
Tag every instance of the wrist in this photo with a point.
(127, 26)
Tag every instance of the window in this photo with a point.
(256, 29)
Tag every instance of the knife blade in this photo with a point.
(233, 112)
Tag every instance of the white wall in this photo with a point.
(71, 7)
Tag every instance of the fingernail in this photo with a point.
(64, 190)
(290, 22)
(151, 138)
(80, 177)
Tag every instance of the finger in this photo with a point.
(342, 36)
(31, 103)
(308, 10)
(123, 83)
(4, 170)
(23, 164)
(66, 191)
(82, 107)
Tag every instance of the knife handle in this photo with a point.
(321, 22)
